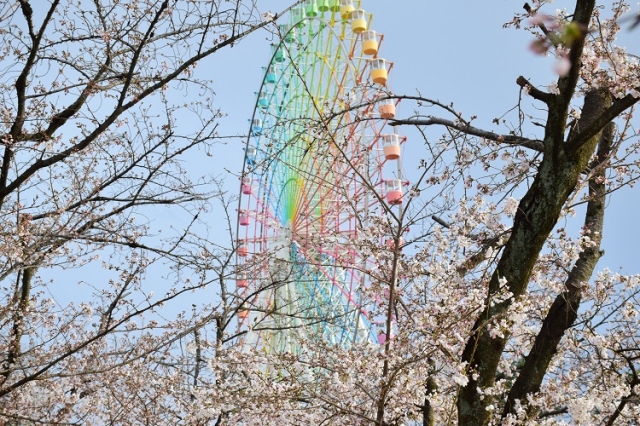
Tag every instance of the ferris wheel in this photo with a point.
(319, 162)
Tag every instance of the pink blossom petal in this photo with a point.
(562, 66)
(537, 19)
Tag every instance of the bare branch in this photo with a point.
(536, 145)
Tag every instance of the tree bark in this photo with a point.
(536, 217)
(428, 416)
(22, 302)
(564, 310)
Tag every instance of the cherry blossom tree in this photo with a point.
(103, 113)
(491, 296)
(498, 309)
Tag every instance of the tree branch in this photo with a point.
(100, 129)
(583, 135)
(535, 145)
(533, 92)
(18, 322)
(553, 39)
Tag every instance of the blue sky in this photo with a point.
(450, 51)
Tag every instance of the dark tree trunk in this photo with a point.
(564, 310)
(428, 416)
(536, 217)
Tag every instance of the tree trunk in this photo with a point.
(536, 217)
(22, 302)
(428, 416)
(564, 310)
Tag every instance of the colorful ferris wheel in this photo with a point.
(319, 162)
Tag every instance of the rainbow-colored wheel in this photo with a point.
(313, 174)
